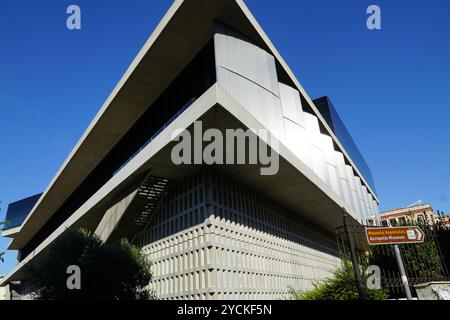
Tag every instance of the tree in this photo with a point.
(340, 286)
(109, 271)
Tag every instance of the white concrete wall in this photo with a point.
(228, 250)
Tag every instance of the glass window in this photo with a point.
(18, 211)
(336, 124)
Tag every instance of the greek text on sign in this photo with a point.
(397, 235)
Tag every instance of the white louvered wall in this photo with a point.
(212, 238)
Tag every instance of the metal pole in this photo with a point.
(401, 268)
(351, 244)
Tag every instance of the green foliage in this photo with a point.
(110, 271)
(422, 261)
(340, 286)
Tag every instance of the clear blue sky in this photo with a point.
(391, 87)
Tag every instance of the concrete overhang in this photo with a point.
(10, 233)
(295, 186)
(182, 32)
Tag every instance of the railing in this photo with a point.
(172, 119)
(423, 262)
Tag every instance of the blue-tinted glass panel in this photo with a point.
(18, 211)
(336, 124)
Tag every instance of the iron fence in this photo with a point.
(424, 262)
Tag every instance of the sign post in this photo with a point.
(401, 268)
(395, 236)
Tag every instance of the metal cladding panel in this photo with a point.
(373, 212)
(319, 164)
(345, 186)
(294, 124)
(376, 211)
(327, 146)
(359, 191)
(247, 60)
(368, 202)
(365, 202)
(355, 201)
(332, 165)
(335, 177)
(341, 164)
(297, 141)
(350, 177)
(335, 180)
(353, 192)
(359, 194)
(274, 119)
(348, 194)
(319, 161)
(249, 74)
(311, 123)
(262, 104)
(291, 104)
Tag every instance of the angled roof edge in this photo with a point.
(9, 233)
(216, 95)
